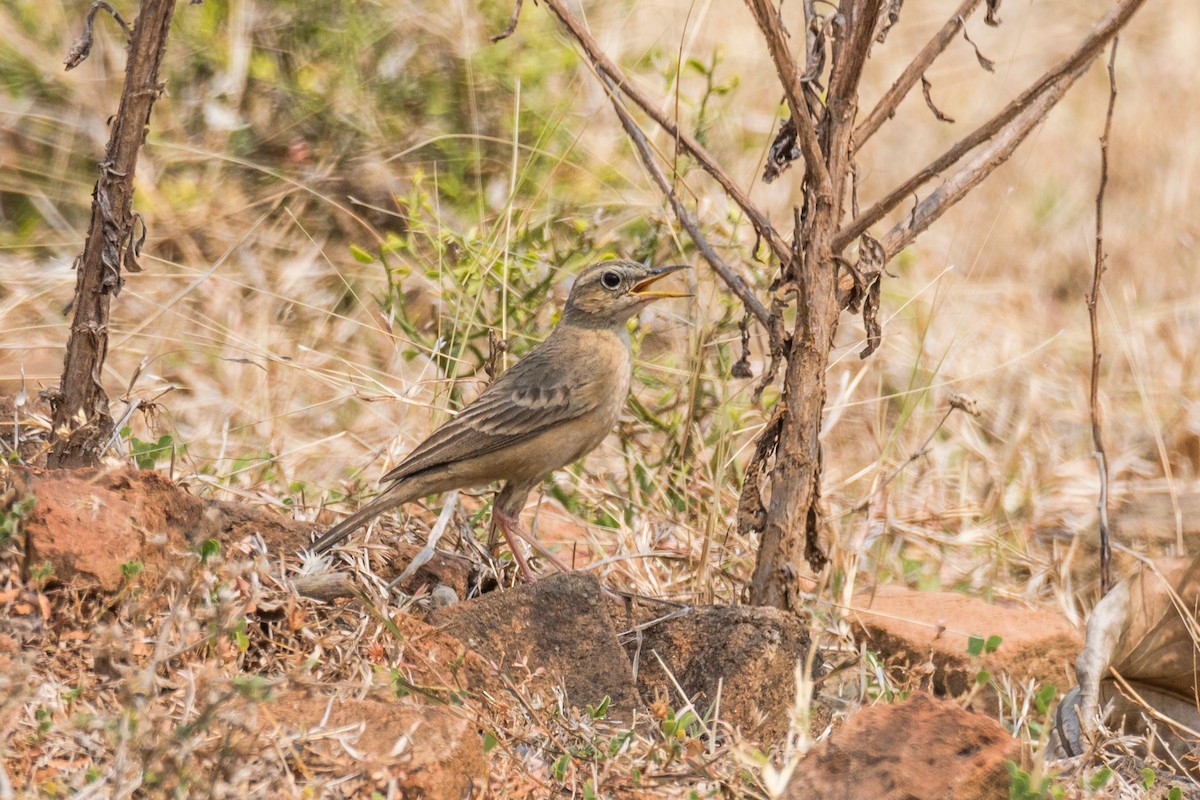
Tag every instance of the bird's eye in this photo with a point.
(611, 280)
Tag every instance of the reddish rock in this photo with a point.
(912, 628)
(750, 653)
(555, 632)
(921, 749)
(430, 752)
(87, 523)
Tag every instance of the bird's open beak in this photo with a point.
(642, 287)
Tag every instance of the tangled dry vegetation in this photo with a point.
(342, 203)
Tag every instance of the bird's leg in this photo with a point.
(510, 525)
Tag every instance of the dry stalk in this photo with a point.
(82, 422)
(685, 217)
(1098, 269)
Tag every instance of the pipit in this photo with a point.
(546, 411)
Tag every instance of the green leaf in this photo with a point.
(1175, 794)
(1148, 777)
(489, 741)
(360, 255)
(617, 742)
(982, 677)
(1045, 698)
(560, 767)
(600, 711)
(1099, 778)
(209, 548)
(992, 644)
(975, 645)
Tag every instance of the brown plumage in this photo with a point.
(546, 411)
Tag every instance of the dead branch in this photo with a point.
(1001, 126)
(767, 17)
(1098, 268)
(605, 66)
(850, 50)
(971, 174)
(82, 422)
(646, 156)
(887, 104)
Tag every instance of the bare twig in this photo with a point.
(646, 156)
(767, 17)
(1002, 126)
(957, 403)
(887, 104)
(1098, 269)
(512, 23)
(605, 66)
(971, 174)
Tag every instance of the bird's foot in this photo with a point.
(510, 526)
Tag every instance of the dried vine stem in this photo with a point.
(1098, 268)
(603, 65)
(1001, 126)
(82, 47)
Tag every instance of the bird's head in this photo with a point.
(613, 291)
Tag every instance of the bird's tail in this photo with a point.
(389, 499)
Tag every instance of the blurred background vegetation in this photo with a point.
(345, 199)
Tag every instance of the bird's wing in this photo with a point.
(538, 393)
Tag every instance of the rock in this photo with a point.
(750, 653)
(555, 632)
(921, 749)
(912, 628)
(430, 752)
(87, 523)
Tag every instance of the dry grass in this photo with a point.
(268, 354)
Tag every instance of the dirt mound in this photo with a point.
(922, 747)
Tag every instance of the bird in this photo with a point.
(548, 410)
